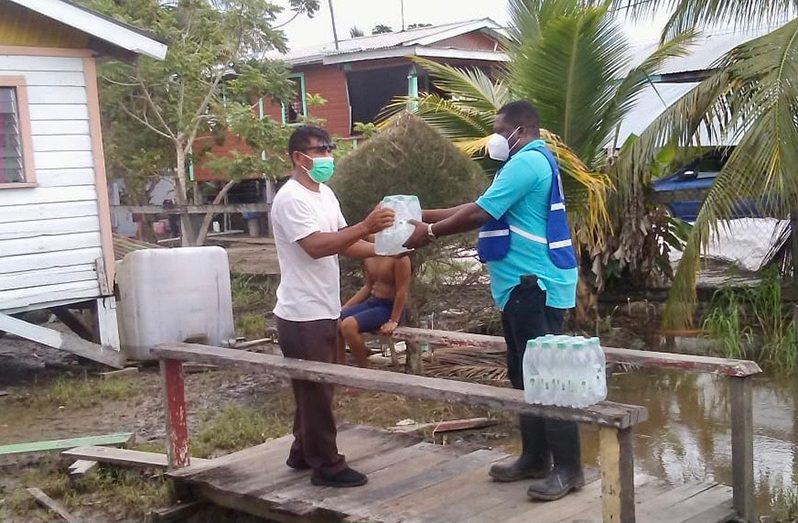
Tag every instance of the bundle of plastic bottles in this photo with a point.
(568, 371)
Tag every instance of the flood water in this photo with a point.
(688, 432)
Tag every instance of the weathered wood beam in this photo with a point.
(605, 413)
(65, 341)
(195, 209)
(176, 421)
(742, 436)
(649, 359)
(616, 459)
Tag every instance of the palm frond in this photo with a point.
(761, 107)
(582, 51)
(699, 13)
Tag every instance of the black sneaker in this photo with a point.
(345, 478)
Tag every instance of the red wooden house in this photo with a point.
(359, 76)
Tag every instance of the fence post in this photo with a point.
(616, 459)
(742, 436)
(176, 423)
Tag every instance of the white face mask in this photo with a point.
(499, 147)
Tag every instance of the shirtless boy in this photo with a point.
(377, 305)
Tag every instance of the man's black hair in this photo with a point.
(300, 138)
(521, 114)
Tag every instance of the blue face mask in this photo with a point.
(322, 169)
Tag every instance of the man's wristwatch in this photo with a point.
(430, 234)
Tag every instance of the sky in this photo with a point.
(365, 14)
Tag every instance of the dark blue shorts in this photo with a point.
(370, 314)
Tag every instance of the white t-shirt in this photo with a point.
(309, 289)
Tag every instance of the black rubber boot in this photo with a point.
(566, 475)
(535, 459)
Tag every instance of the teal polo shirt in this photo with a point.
(520, 193)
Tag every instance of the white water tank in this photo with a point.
(171, 295)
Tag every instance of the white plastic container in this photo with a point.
(170, 295)
(391, 240)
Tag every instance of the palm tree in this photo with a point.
(571, 59)
(752, 99)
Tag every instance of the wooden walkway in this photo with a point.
(414, 481)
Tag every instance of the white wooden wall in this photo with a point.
(50, 234)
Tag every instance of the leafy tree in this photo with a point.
(355, 32)
(381, 29)
(214, 68)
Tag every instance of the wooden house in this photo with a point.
(56, 248)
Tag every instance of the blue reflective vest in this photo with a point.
(493, 243)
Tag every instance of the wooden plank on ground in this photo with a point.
(607, 414)
(61, 444)
(124, 457)
(51, 504)
(121, 373)
(660, 360)
(80, 467)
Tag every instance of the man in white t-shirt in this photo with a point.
(310, 232)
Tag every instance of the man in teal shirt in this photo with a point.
(530, 290)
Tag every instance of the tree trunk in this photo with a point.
(206, 221)
(181, 193)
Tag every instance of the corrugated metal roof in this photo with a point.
(651, 103)
(405, 38)
(707, 49)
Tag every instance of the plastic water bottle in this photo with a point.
(562, 369)
(532, 376)
(580, 381)
(545, 362)
(598, 372)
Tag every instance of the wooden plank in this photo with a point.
(176, 422)
(79, 468)
(46, 294)
(42, 195)
(74, 142)
(127, 372)
(692, 507)
(175, 513)
(742, 436)
(75, 324)
(63, 159)
(52, 504)
(48, 211)
(195, 209)
(47, 78)
(721, 513)
(124, 457)
(660, 360)
(64, 177)
(47, 228)
(65, 341)
(41, 63)
(59, 127)
(29, 262)
(63, 242)
(56, 94)
(69, 274)
(61, 444)
(604, 413)
(616, 456)
(59, 112)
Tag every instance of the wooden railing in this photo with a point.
(615, 420)
(738, 372)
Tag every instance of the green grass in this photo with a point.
(251, 325)
(80, 392)
(125, 493)
(754, 323)
(253, 293)
(236, 427)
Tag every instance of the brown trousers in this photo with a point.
(314, 423)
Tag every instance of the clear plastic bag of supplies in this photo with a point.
(391, 240)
